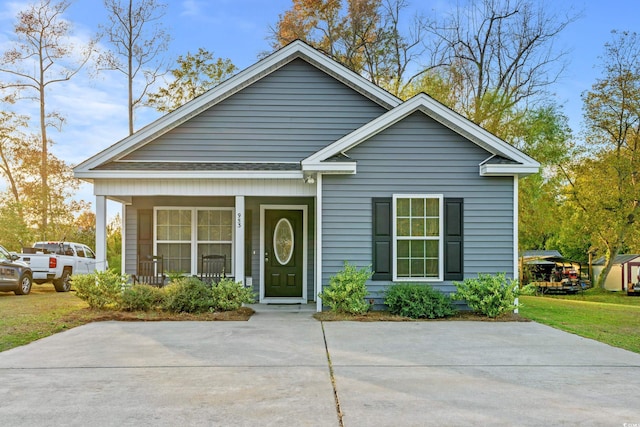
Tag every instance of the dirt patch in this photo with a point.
(385, 316)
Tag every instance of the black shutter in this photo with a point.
(382, 217)
(453, 239)
(145, 234)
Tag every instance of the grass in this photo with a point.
(44, 312)
(608, 317)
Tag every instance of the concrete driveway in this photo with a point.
(284, 368)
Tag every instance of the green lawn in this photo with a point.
(30, 317)
(611, 318)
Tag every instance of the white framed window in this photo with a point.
(183, 234)
(418, 237)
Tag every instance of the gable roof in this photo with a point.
(292, 51)
(505, 159)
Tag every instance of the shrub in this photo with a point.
(418, 301)
(488, 295)
(347, 290)
(530, 289)
(228, 295)
(187, 295)
(102, 289)
(141, 297)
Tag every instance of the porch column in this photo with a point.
(101, 233)
(318, 280)
(238, 256)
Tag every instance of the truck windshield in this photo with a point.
(53, 248)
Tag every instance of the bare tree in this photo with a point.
(138, 41)
(498, 54)
(40, 56)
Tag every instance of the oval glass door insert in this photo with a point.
(283, 241)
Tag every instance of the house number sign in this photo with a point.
(239, 219)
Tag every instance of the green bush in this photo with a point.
(141, 297)
(530, 289)
(102, 289)
(347, 290)
(488, 295)
(187, 295)
(418, 302)
(229, 295)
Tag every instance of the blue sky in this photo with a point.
(238, 29)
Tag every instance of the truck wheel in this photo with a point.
(25, 285)
(63, 284)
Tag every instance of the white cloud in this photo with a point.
(191, 8)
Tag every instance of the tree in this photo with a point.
(605, 183)
(365, 36)
(543, 133)
(114, 243)
(497, 55)
(41, 55)
(12, 142)
(195, 74)
(138, 41)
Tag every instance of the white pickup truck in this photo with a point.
(57, 261)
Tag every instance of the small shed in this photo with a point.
(625, 270)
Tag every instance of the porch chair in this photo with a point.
(150, 271)
(212, 268)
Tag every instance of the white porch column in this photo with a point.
(318, 281)
(101, 233)
(238, 256)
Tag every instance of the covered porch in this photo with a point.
(265, 228)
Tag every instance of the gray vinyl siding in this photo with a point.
(284, 117)
(418, 155)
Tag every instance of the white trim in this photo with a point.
(330, 167)
(127, 188)
(224, 90)
(507, 170)
(516, 230)
(318, 238)
(305, 240)
(441, 114)
(141, 174)
(123, 240)
(394, 238)
(239, 227)
(101, 233)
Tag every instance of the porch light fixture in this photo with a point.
(309, 179)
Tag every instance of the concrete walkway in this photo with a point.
(276, 370)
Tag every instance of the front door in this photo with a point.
(283, 253)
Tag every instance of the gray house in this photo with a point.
(296, 165)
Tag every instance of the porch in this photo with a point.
(269, 241)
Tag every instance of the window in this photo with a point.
(215, 234)
(183, 235)
(402, 257)
(417, 237)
